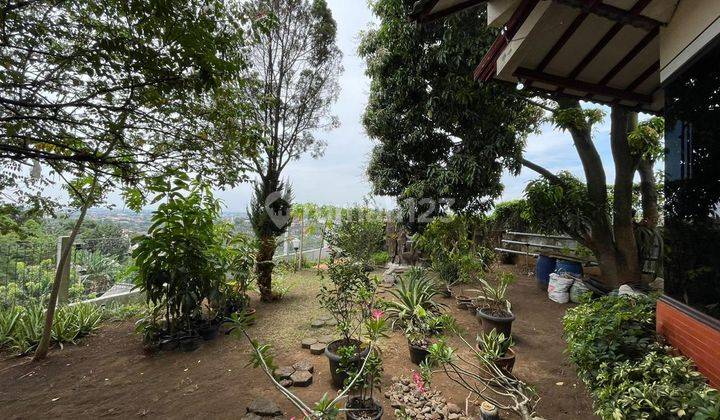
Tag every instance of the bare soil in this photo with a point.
(108, 374)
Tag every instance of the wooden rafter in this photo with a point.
(622, 16)
(562, 40)
(595, 89)
(644, 76)
(424, 15)
(630, 56)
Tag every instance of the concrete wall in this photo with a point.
(694, 24)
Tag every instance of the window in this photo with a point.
(692, 185)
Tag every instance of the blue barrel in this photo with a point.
(543, 268)
(570, 267)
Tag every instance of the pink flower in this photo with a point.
(417, 378)
(377, 314)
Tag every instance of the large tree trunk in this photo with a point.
(44, 345)
(264, 268)
(648, 193)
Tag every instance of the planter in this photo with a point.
(167, 343)
(506, 362)
(417, 354)
(363, 410)
(189, 343)
(491, 322)
(339, 375)
(463, 302)
(251, 313)
(209, 331)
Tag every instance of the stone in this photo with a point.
(326, 318)
(287, 383)
(304, 365)
(307, 342)
(317, 348)
(453, 416)
(326, 339)
(453, 408)
(283, 372)
(301, 378)
(318, 323)
(331, 323)
(264, 408)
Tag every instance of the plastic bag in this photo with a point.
(578, 289)
(558, 288)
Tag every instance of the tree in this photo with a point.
(125, 91)
(425, 107)
(297, 64)
(439, 134)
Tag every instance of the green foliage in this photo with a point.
(646, 141)
(511, 216)
(493, 298)
(414, 299)
(560, 207)
(21, 326)
(577, 118)
(494, 345)
(380, 258)
(439, 135)
(181, 259)
(612, 342)
(348, 297)
(359, 234)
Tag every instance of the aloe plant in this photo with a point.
(415, 290)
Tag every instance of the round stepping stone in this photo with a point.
(304, 366)
(317, 323)
(317, 348)
(331, 323)
(283, 372)
(302, 378)
(307, 342)
(287, 383)
(264, 408)
(326, 339)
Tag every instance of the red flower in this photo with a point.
(417, 378)
(377, 314)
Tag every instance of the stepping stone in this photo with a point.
(317, 348)
(304, 366)
(317, 323)
(264, 408)
(331, 323)
(287, 383)
(326, 339)
(283, 372)
(307, 342)
(326, 318)
(302, 378)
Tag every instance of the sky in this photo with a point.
(338, 177)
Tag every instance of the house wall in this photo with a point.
(693, 25)
(693, 333)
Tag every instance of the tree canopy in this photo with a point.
(439, 134)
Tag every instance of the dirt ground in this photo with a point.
(108, 374)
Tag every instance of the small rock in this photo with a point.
(307, 342)
(453, 408)
(283, 372)
(317, 348)
(302, 378)
(453, 416)
(264, 407)
(318, 323)
(304, 365)
(331, 323)
(287, 383)
(326, 339)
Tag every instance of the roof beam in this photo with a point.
(629, 56)
(626, 17)
(595, 89)
(422, 9)
(579, 19)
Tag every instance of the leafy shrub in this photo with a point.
(415, 292)
(612, 342)
(380, 258)
(359, 234)
(512, 216)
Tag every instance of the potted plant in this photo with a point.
(494, 310)
(498, 348)
(364, 378)
(348, 298)
(421, 331)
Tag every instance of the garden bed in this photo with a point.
(108, 374)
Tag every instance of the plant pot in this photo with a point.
(370, 409)
(506, 362)
(189, 343)
(209, 331)
(167, 343)
(502, 324)
(339, 375)
(417, 354)
(463, 302)
(251, 313)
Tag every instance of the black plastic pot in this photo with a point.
(491, 322)
(339, 375)
(189, 343)
(209, 331)
(355, 403)
(417, 354)
(167, 343)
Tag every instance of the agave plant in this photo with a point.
(415, 290)
(494, 345)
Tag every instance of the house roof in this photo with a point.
(429, 10)
(604, 51)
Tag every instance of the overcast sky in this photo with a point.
(338, 177)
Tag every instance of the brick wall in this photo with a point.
(693, 333)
